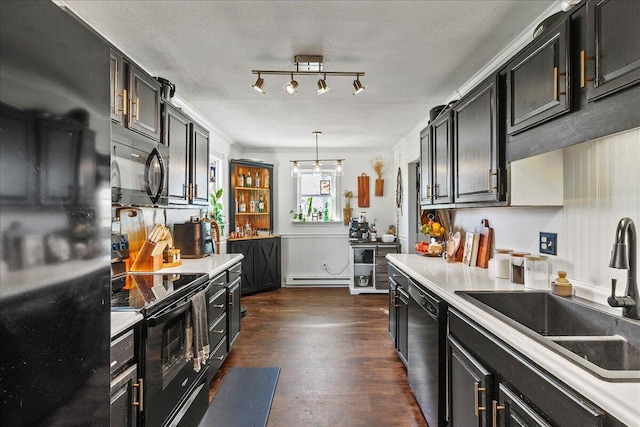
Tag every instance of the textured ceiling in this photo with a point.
(415, 54)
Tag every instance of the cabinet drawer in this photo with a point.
(382, 251)
(217, 330)
(217, 305)
(382, 281)
(217, 356)
(220, 281)
(122, 352)
(398, 276)
(234, 272)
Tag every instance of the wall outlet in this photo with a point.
(548, 243)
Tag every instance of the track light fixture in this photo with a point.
(317, 163)
(259, 85)
(309, 65)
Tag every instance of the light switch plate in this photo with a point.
(548, 243)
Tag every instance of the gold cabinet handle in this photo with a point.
(124, 102)
(218, 305)
(219, 357)
(556, 76)
(490, 176)
(140, 402)
(231, 299)
(195, 186)
(583, 65)
(476, 398)
(496, 408)
(218, 331)
(137, 110)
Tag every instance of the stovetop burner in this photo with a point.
(142, 291)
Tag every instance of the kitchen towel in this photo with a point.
(198, 332)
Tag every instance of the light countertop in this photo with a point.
(620, 399)
(212, 265)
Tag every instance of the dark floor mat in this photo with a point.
(243, 399)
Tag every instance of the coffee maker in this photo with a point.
(359, 229)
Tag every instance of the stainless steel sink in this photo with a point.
(606, 344)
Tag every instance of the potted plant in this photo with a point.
(216, 210)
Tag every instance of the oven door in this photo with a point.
(169, 376)
(139, 174)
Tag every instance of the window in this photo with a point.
(317, 195)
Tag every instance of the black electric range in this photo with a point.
(151, 292)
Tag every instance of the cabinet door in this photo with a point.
(613, 47)
(267, 273)
(17, 157)
(144, 103)
(426, 161)
(442, 155)
(124, 399)
(117, 92)
(59, 145)
(470, 386)
(199, 165)
(537, 88)
(176, 134)
(403, 325)
(234, 312)
(246, 248)
(393, 321)
(511, 411)
(477, 170)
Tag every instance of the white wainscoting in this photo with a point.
(304, 256)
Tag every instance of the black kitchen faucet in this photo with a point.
(626, 260)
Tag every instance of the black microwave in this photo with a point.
(139, 172)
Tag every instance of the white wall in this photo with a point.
(601, 185)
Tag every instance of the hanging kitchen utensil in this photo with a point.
(363, 191)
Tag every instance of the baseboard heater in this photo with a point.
(316, 281)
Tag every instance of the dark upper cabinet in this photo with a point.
(537, 80)
(436, 147)
(134, 97)
(199, 165)
(479, 158)
(176, 135)
(144, 103)
(18, 157)
(611, 60)
(117, 94)
(188, 158)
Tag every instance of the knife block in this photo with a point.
(150, 256)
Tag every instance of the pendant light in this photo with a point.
(316, 165)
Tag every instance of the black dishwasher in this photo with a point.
(426, 359)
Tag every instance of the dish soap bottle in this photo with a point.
(561, 285)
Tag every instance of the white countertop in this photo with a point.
(123, 320)
(620, 399)
(212, 265)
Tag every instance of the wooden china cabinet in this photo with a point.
(251, 225)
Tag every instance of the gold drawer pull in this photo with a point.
(140, 386)
(583, 65)
(476, 398)
(496, 408)
(556, 93)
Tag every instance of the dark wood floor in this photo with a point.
(338, 366)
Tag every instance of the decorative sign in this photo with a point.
(325, 186)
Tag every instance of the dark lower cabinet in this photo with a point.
(399, 312)
(234, 310)
(261, 270)
(126, 382)
(491, 384)
(123, 393)
(469, 381)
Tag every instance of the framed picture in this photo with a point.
(325, 186)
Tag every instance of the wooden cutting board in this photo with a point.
(363, 191)
(484, 247)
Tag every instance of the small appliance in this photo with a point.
(358, 231)
(193, 239)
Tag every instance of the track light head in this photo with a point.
(259, 85)
(357, 86)
(322, 86)
(291, 87)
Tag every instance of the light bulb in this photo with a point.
(317, 168)
(339, 167)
